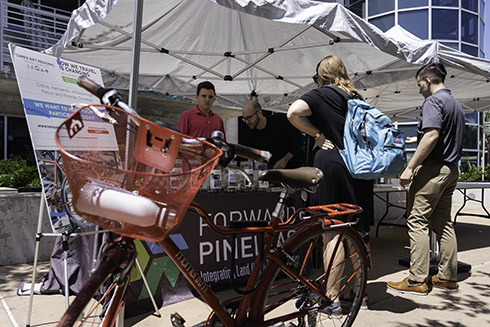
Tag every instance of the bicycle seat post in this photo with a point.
(281, 202)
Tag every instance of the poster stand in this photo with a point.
(48, 90)
(39, 234)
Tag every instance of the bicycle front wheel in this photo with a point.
(67, 199)
(98, 303)
(317, 262)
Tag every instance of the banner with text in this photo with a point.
(49, 92)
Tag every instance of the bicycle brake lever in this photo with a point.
(227, 148)
(103, 115)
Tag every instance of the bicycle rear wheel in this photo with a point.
(285, 299)
(93, 307)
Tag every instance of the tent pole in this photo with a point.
(135, 65)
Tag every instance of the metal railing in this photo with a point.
(32, 26)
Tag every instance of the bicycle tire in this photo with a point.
(66, 197)
(108, 266)
(281, 295)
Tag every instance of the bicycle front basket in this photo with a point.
(130, 175)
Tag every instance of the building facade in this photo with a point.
(456, 23)
(459, 24)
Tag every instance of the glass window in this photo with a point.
(469, 50)
(416, 22)
(482, 9)
(18, 140)
(482, 33)
(2, 139)
(384, 22)
(471, 118)
(376, 7)
(448, 3)
(455, 46)
(359, 9)
(469, 27)
(351, 2)
(470, 5)
(445, 24)
(470, 137)
(402, 4)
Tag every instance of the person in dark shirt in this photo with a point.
(274, 134)
(432, 175)
(321, 113)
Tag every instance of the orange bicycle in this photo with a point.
(311, 269)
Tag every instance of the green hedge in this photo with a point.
(16, 173)
(473, 173)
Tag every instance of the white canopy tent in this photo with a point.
(268, 49)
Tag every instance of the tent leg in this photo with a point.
(135, 64)
(157, 310)
(42, 207)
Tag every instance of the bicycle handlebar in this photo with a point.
(109, 97)
(90, 86)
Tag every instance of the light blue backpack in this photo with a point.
(373, 147)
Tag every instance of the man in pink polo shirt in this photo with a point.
(201, 121)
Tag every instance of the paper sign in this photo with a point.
(50, 94)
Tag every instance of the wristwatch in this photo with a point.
(317, 135)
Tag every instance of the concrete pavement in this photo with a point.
(470, 306)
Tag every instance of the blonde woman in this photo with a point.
(321, 113)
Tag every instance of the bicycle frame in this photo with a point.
(317, 219)
(307, 224)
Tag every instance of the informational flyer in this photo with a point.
(49, 91)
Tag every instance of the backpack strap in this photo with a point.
(356, 95)
(341, 92)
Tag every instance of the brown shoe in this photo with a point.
(446, 285)
(405, 287)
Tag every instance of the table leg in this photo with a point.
(387, 201)
(388, 205)
(466, 198)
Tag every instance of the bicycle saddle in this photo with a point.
(303, 177)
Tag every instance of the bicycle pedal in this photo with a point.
(177, 320)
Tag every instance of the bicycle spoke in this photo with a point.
(296, 294)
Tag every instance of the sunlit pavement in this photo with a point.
(470, 306)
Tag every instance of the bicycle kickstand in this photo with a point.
(177, 320)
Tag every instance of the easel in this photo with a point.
(65, 235)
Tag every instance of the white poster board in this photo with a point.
(49, 91)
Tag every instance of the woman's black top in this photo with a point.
(329, 108)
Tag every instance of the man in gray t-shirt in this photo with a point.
(443, 112)
(433, 174)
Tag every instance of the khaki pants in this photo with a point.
(429, 206)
